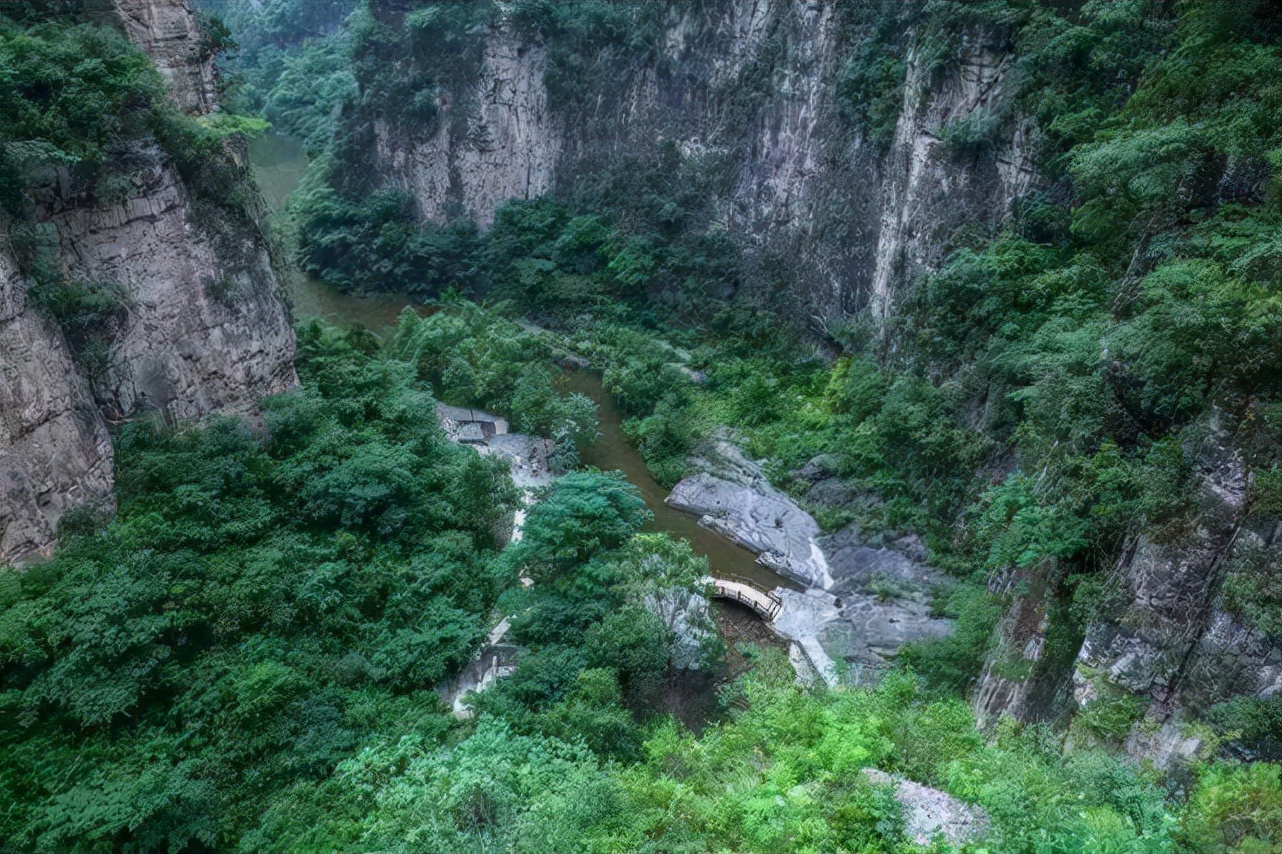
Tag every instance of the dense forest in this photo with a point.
(254, 649)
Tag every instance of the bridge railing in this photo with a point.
(768, 605)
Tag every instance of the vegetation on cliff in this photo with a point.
(245, 656)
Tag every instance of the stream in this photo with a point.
(279, 164)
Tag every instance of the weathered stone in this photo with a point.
(206, 326)
(735, 499)
(817, 469)
(930, 814)
(1170, 629)
(830, 493)
(855, 219)
(167, 31)
(55, 453)
(203, 326)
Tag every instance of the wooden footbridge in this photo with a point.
(765, 605)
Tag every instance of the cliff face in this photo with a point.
(1178, 644)
(166, 30)
(930, 186)
(745, 89)
(54, 450)
(1173, 642)
(203, 324)
(511, 142)
(205, 327)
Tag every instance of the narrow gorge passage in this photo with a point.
(279, 166)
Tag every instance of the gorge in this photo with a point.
(953, 329)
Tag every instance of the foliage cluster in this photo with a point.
(264, 600)
(476, 358)
(244, 659)
(79, 97)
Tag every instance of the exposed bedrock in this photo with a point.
(930, 813)
(202, 324)
(732, 496)
(54, 450)
(1175, 639)
(860, 603)
(1177, 643)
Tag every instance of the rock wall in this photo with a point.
(1172, 639)
(745, 88)
(167, 31)
(510, 141)
(54, 450)
(930, 184)
(203, 326)
(1176, 644)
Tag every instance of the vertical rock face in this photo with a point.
(1173, 640)
(506, 147)
(745, 88)
(54, 450)
(203, 324)
(931, 185)
(166, 30)
(1175, 644)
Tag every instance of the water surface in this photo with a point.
(279, 164)
(613, 451)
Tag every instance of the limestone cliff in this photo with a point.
(748, 92)
(54, 450)
(1177, 644)
(167, 31)
(1172, 640)
(203, 324)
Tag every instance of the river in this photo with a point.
(279, 165)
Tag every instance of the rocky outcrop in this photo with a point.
(930, 814)
(54, 450)
(202, 324)
(746, 93)
(168, 32)
(957, 156)
(884, 599)
(1018, 679)
(1172, 638)
(860, 603)
(1175, 644)
(733, 498)
(205, 327)
(512, 141)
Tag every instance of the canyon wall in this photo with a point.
(202, 326)
(748, 92)
(54, 450)
(1172, 638)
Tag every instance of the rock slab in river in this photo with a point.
(733, 498)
